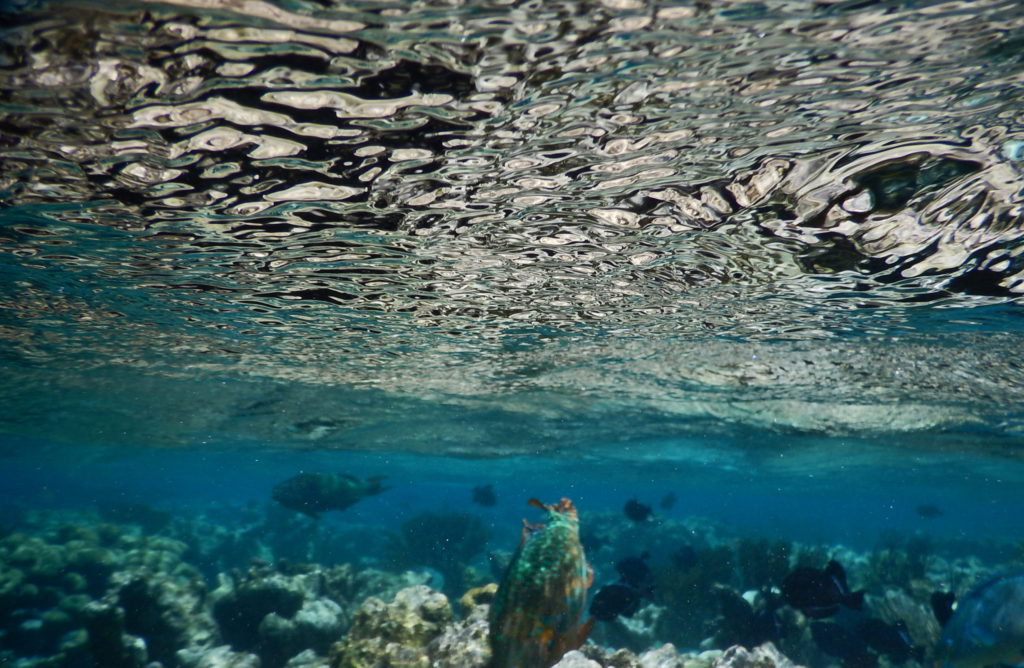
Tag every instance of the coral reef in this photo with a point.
(277, 613)
(396, 634)
(80, 592)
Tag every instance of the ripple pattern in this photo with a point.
(233, 177)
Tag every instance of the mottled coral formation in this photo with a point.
(394, 634)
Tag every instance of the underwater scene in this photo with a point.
(511, 333)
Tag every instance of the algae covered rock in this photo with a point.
(394, 635)
(221, 656)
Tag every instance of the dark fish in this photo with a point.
(942, 605)
(314, 493)
(634, 571)
(537, 612)
(892, 640)
(615, 600)
(668, 501)
(818, 593)
(987, 626)
(930, 511)
(484, 495)
(636, 511)
(746, 624)
(835, 640)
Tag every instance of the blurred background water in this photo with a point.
(763, 256)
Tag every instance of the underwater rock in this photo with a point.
(465, 644)
(576, 659)
(394, 634)
(316, 625)
(221, 656)
(109, 645)
(307, 659)
(167, 613)
(763, 656)
(278, 615)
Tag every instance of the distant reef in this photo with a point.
(234, 588)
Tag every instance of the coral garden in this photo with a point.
(257, 587)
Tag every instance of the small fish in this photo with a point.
(484, 495)
(987, 626)
(538, 610)
(818, 593)
(634, 571)
(636, 511)
(668, 501)
(929, 510)
(892, 640)
(315, 493)
(614, 600)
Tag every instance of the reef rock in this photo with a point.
(394, 634)
(221, 656)
(279, 615)
(316, 625)
(108, 642)
(465, 644)
(167, 613)
(576, 659)
(762, 656)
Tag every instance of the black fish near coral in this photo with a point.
(837, 641)
(615, 600)
(747, 623)
(485, 496)
(634, 571)
(315, 493)
(818, 593)
(537, 613)
(636, 511)
(623, 598)
(892, 640)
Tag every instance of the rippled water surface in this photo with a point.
(506, 227)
